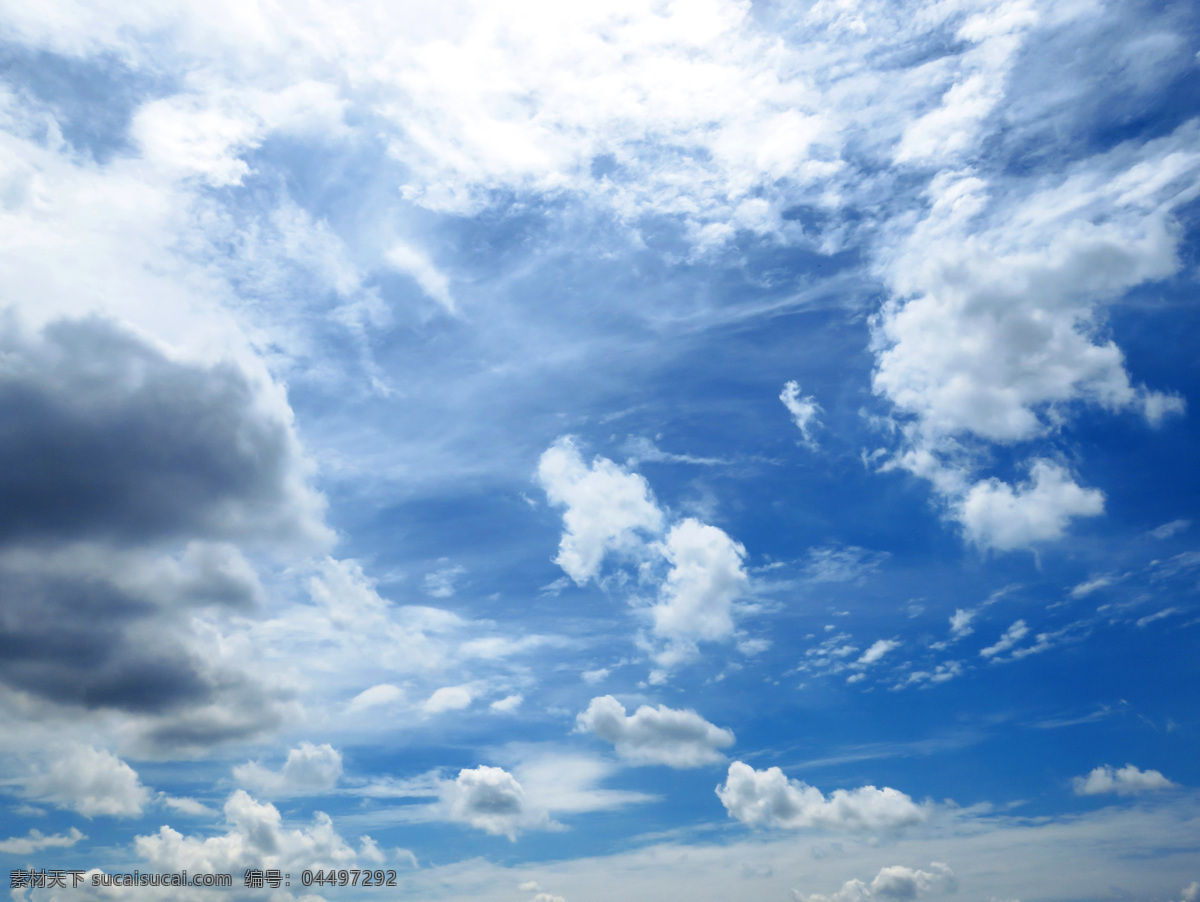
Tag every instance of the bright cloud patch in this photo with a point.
(309, 770)
(658, 735)
(91, 781)
(997, 515)
(606, 508)
(36, 841)
(705, 579)
(803, 410)
(767, 798)
(1125, 781)
(891, 883)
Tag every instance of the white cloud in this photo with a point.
(490, 799)
(1125, 781)
(254, 837)
(35, 841)
(606, 508)
(508, 703)
(186, 805)
(877, 650)
(658, 735)
(960, 623)
(706, 577)
(803, 410)
(997, 515)
(895, 882)
(599, 675)
(1011, 637)
(414, 262)
(992, 336)
(383, 694)
(448, 698)
(309, 770)
(767, 798)
(1086, 588)
(90, 781)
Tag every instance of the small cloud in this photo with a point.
(876, 651)
(599, 675)
(508, 703)
(659, 735)
(803, 410)
(1161, 615)
(383, 694)
(960, 623)
(1092, 585)
(186, 805)
(440, 583)
(1124, 781)
(35, 841)
(1169, 529)
(1011, 637)
(448, 698)
(309, 770)
(841, 564)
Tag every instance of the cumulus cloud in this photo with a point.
(90, 781)
(993, 334)
(659, 735)
(254, 837)
(309, 770)
(1190, 893)
(998, 515)
(706, 577)
(490, 799)
(803, 410)
(376, 696)
(35, 841)
(1125, 781)
(607, 508)
(896, 882)
(767, 798)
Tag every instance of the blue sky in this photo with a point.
(663, 451)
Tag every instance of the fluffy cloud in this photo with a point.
(254, 837)
(998, 515)
(960, 623)
(895, 882)
(606, 508)
(1191, 892)
(36, 841)
(88, 780)
(1125, 781)
(309, 770)
(658, 735)
(803, 410)
(767, 798)
(993, 335)
(448, 698)
(706, 577)
(490, 799)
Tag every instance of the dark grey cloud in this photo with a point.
(103, 437)
(128, 480)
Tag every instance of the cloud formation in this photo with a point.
(90, 781)
(490, 799)
(607, 508)
(1124, 781)
(309, 770)
(896, 882)
(659, 735)
(767, 798)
